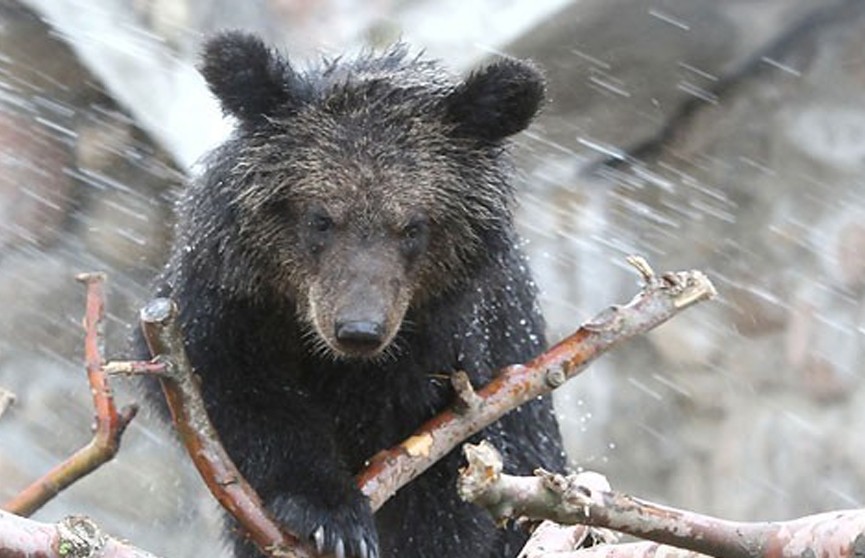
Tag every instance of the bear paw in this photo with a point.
(345, 532)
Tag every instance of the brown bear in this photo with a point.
(349, 246)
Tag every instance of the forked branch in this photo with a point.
(110, 423)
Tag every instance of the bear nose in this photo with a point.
(361, 334)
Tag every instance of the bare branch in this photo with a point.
(564, 499)
(110, 423)
(74, 537)
(158, 322)
(626, 550)
(661, 298)
(552, 540)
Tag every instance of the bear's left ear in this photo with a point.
(496, 101)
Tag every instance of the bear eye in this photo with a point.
(319, 230)
(415, 229)
(411, 231)
(321, 223)
(414, 236)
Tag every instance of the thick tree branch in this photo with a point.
(564, 499)
(180, 385)
(73, 537)
(110, 423)
(661, 298)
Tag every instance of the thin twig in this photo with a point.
(564, 499)
(74, 536)
(110, 423)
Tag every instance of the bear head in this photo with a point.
(357, 189)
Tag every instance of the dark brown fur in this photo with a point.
(352, 242)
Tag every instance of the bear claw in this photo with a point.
(318, 537)
(333, 545)
(346, 531)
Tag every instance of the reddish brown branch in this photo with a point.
(110, 423)
(201, 439)
(662, 298)
(74, 536)
(564, 499)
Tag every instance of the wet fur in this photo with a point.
(375, 142)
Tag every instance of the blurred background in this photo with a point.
(725, 136)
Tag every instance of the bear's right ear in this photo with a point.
(250, 80)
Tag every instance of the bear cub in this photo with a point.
(349, 246)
